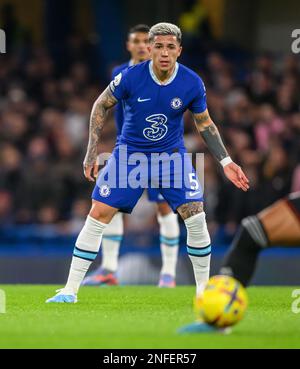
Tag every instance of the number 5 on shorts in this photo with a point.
(193, 181)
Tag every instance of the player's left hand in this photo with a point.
(236, 175)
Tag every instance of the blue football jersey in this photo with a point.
(153, 112)
(119, 115)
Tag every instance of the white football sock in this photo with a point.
(199, 249)
(111, 241)
(85, 252)
(169, 240)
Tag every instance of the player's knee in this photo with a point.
(197, 232)
(102, 212)
(169, 226)
(99, 215)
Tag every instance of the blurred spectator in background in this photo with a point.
(6, 209)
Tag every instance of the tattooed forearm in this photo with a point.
(214, 141)
(189, 209)
(211, 135)
(104, 102)
(96, 124)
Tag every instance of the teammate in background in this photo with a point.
(277, 225)
(137, 45)
(156, 93)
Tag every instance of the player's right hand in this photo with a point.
(91, 172)
(236, 175)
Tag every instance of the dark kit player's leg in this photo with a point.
(281, 221)
(277, 225)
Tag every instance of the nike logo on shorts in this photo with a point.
(192, 194)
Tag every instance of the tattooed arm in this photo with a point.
(210, 133)
(104, 102)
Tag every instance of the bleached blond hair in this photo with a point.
(164, 28)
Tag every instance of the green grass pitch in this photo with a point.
(139, 317)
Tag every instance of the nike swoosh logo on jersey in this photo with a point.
(142, 100)
(194, 193)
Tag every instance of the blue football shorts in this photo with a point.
(167, 177)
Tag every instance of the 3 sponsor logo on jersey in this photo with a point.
(158, 128)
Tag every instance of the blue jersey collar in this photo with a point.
(156, 80)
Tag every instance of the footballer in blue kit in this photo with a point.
(106, 273)
(155, 95)
(153, 122)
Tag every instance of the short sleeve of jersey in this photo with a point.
(119, 85)
(198, 104)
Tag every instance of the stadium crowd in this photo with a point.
(44, 115)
